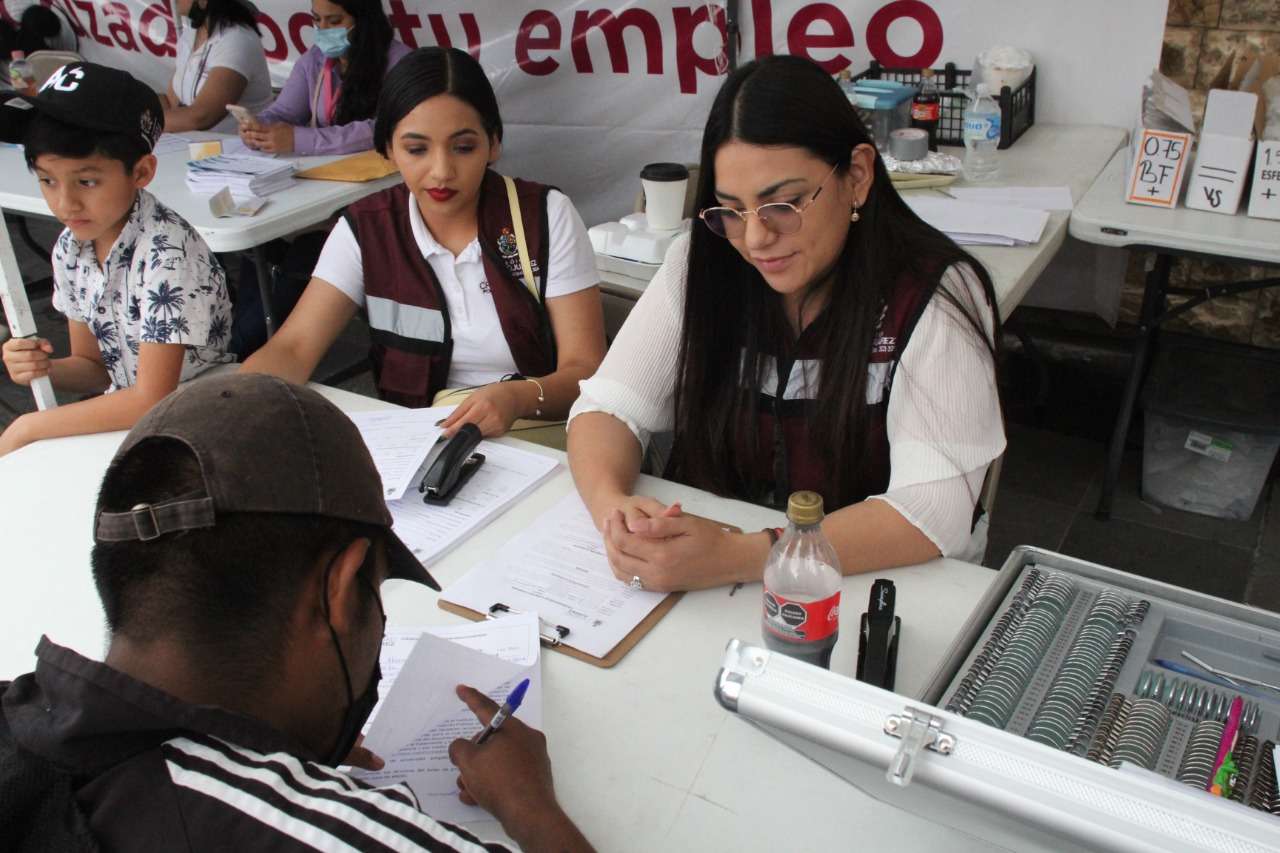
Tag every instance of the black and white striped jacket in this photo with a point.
(154, 773)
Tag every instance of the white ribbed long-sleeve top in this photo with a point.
(944, 423)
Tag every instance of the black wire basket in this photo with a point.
(1017, 106)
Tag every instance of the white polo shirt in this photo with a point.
(235, 47)
(480, 351)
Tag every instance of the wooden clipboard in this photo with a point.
(616, 654)
(624, 645)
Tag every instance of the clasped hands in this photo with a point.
(670, 550)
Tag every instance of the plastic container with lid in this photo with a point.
(1212, 426)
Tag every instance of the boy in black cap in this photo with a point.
(241, 545)
(146, 301)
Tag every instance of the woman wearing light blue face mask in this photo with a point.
(328, 103)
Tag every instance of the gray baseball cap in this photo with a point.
(264, 445)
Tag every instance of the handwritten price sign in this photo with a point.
(1264, 203)
(1158, 168)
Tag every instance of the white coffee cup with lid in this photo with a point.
(665, 185)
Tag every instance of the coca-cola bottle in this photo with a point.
(802, 586)
(926, 108)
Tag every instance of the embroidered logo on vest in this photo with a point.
(507, 245)
(509, 249)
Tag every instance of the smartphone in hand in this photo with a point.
(242, 115)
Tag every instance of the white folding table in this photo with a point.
(1104, 217)
(1047, 155)
(644, 757)
(302, 206)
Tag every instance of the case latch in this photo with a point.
(918, 730)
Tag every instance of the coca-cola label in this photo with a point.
(800, 621)
(926, 112)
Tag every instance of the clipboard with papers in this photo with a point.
(558, 569)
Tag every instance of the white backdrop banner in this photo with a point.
(591, 90)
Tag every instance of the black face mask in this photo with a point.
(358, 707)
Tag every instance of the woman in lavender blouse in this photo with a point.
(328, 102)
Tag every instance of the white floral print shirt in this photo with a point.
(160, 284)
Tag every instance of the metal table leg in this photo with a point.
(263, 268)
(1153, 301)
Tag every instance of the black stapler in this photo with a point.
(878, 638)
(450, 464)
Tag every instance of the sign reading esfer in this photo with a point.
(1264, 201)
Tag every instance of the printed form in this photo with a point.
(508, 473)
(558, 568)
(418, 713)
(399, 441)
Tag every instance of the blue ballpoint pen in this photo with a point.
(508, 708)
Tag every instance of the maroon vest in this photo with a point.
(787, 459)
(409, 329)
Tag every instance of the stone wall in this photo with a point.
(1200, 36)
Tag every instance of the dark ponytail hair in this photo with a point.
(219, 14)
(431, 71)
(790, 101)
(366, 61)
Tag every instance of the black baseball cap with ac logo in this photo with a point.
(91, 96)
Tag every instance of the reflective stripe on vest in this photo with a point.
(405, 321)
(803, 382)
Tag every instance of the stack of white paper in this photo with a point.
(1034, 198)
(419, 715)
(399, 441)
(970, 223)
(244, 174)
(507, 475)
(558, 569)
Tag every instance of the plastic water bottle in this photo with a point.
(802, 586)
(981, 137)
(21, 74)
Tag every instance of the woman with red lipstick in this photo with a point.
(811, 333)
(441, 265)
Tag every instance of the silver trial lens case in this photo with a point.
(1044, 727)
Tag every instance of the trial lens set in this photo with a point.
(1077, 665)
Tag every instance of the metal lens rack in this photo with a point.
(1082, 666)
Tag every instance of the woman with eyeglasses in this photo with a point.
(811, 333)
(328, 102)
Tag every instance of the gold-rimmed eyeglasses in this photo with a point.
(780, 217)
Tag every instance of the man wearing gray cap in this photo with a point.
(241, 539)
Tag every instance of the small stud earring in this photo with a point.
(855, 216)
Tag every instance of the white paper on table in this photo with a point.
(1022, 225)
(1035, 198)
(170, 142)
(222, 204)
(399, 441)
(419, 715)
(508, 473)
(558, 568)
(235, 145)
